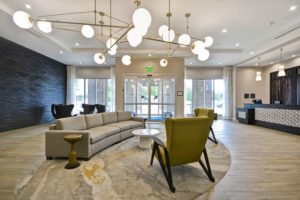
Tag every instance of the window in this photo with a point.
(93, 91)
(204, 94)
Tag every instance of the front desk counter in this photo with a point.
(274, 116)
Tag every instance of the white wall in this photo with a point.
(245, 81)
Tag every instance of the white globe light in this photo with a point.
(197, 47)
(110, 42)
(134, 37)
(203, 55)
(169, 35)
(162, 29)
(142, 30)
(112, 51)
(126, 60)
(22, 19)
(208, 41)
(99, 58)
(44, 26)
(163, 62)
(141, 18)
(87, 31)
(184, 40)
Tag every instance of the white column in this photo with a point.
(227, 76)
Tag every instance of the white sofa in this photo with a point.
(98, 132)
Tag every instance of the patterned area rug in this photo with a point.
(123, 171)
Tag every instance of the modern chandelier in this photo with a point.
(281, 71)
(133, 32)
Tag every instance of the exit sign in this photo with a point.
(149, 69)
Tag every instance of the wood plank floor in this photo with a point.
(265, 164)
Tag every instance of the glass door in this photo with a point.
(151, 97)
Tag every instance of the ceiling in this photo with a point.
(258, 26)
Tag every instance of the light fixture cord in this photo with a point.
(169, 23)
(281, 55)
(110, 18)
(95, 5)
(187, 25)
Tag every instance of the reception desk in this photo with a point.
(275, 116)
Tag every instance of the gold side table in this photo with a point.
(72, 139)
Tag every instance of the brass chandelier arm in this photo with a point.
(79, 23)
(63, 14)
(159, 40)
(118, 39)
(117, 19)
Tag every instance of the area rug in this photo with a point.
(122, 171)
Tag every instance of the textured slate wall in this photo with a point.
(29, 84)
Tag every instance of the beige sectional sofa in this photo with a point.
(98, 132)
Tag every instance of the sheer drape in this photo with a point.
(228, 80)
(113, 89)
(71, 85)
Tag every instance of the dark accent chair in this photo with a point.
(185, 143)
(202, 112)
(100, 108)
(87, 109)
(61, 111)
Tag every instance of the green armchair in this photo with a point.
(202, 112)
(185, 143)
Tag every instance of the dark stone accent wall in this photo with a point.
(29, 84)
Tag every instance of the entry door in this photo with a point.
(151, 97)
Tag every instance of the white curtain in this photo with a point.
(228, 82)
(113, 89)
(71, 85)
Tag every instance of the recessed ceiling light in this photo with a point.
(272, 63)
(219, 63)
(256, 64)
(191, 63)
(104, 62)
(251, 52)
(224, 31)
(27, 6)
(237, 44)
(80, 62)
(292, 8)
(149, 55)
(293, 56)
(77, 44)
(61, 52)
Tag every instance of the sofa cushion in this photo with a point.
(124, 125)
(109, 117)
(71, 123)
(93, 120)
(96, 136)
(124, 116)
(110, 130)
(135, 124)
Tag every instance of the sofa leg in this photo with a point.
(86, 159)
(49, 158)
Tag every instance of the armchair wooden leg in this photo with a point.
(206, 168)
(153, 152)
(167, 172)
(214, 137)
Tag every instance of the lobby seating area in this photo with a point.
(98, 132)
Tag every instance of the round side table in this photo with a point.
(146, 136)
(72, 139)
